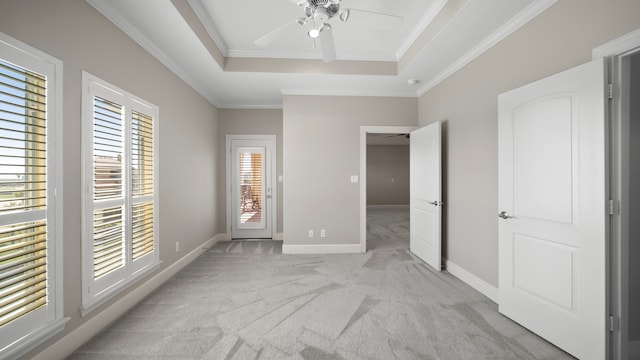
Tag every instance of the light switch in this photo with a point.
(354, 179)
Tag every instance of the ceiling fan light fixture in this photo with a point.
(314, 33)
(344, 15)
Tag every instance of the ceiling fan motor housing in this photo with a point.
(324, 7)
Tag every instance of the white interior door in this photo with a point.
(425, 195)
(552, 209)
(250, 209)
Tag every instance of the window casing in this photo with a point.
(31, 308)
(120, 238)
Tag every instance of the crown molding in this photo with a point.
(208, 24)
(419, 28)
(108, 12)
(308, 55)
(308, 92)
(522, 18)
(232, 106)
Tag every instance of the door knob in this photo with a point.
(504, 215)
(435, 203)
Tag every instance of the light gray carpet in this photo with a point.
(245, 300)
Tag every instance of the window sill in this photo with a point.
(33, 339)
(116, 289)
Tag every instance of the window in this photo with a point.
(30, 212)
(120, 202)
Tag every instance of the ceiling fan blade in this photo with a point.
(274, 35)
(300, 2)
(327, 45)
(381, 19)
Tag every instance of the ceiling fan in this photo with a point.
(317, 16)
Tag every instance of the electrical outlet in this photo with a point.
(323, 233)
(310, 233)
(177, 246)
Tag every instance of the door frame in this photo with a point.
(269, 152)
(364, 130)
(617, 302)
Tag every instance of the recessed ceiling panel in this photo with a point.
(375, 29)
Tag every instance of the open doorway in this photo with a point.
(388, 173)
(384, 186)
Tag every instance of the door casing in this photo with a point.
(618, 51)
(364, 130)
(271, 206)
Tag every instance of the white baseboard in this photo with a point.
(634, 349)
(278, 236)
(215, 239)
(80, 335)
(475, 282)
(222, 237)
(322, 249)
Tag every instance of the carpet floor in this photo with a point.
(246, 300)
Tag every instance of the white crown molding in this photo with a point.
(308, 55)
(113, 16)
(272, 54)
(419, 29)
(233, 106)
(618, 46)
(516, 22)
(208, 24)
(308, 92)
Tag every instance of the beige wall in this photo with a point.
(387, 175)
(321, 152)
(249, 122)
(560, 38)
(75, 33)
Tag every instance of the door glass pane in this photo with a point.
(251, 187)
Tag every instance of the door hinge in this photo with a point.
(612, 323)
(610, 95)
(611, 208)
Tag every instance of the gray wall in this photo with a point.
(249, 122)
(634, 201)
(560, 38)
(75, 33)
(387, 175)
(321, 152)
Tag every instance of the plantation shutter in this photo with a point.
(108, 187)
(142, 170)
(121, 230)
(23, 193)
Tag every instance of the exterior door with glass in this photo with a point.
(250, 201)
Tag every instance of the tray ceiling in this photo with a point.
(210, 44)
